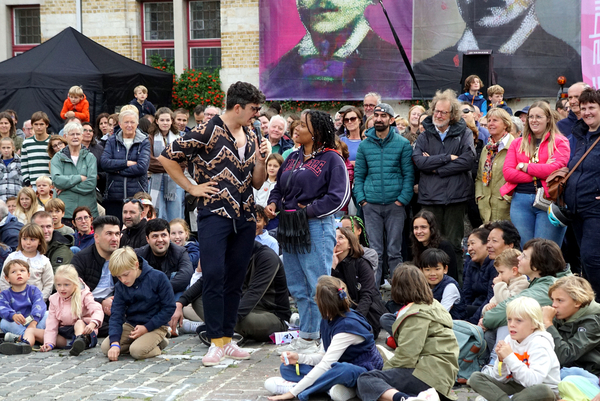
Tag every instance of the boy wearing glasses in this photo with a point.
(82, 221)
(444, 154)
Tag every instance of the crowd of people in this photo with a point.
(137, 227)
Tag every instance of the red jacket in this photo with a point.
(81, 109)
(540, 170)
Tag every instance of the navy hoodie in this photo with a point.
(321, 184)
(149, 302)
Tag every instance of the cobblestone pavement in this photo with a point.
(178, 374)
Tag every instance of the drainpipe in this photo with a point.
(78, 15)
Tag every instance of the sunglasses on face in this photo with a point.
(350, 119)
(466, 111)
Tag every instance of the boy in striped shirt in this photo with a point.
(35, 161)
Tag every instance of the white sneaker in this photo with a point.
(340, 392)
(480, 398)
(427, 395)
(300, 346)
(189, 326)
(488, 370)
(278, 385)
(385, 354)
(295, 319)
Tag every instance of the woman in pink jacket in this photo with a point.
(530, 160)
(74, 316)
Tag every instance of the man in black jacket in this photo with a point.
(444, 155)
(264, 307)
(171, 259)
(92, 264)
(135, 233)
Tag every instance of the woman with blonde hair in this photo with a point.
(530, 160)
(412, 131)
(493, 206)
(27, 205)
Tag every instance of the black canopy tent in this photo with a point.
(40, 78)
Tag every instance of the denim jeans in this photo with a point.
(303, 270)
(225, 251)
(16, 328)
(342, 373)
(388, 219)
(170, 210)
(532, 222)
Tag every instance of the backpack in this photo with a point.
(473, 353)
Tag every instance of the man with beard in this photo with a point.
(92, 264)
(444, 154)
(383, 185)
(135, 233)
(338, 58)
(527, 59)
(59, 246)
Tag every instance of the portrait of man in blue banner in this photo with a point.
(340, 56)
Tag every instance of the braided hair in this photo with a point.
(355, 220)
(323, 131)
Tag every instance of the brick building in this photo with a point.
(194, 33)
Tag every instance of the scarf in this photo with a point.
(492, 151)
(160, 180)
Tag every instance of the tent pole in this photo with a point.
(78, 15)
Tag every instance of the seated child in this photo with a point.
(144, 107)
(74, 315)
(31, 249)
(509, 282)
(27, 205)
(445, 289)
(22, 309)
(44, 189)
(141, 309)
(11, 204)
(56, 208)
(10, 170)
(348, 350)
(527, 367)
(495, 96)
(180, 235)
(76, 105)
(425, 363)
(263, 235)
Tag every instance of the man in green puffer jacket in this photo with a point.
(383, 185)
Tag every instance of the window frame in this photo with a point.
(20, 48)
(149, 44)
(197, 43)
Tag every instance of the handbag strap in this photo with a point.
(582, 159)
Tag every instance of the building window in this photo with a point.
(204, 34)
(205, 20)
(158, 30)
(26, 28)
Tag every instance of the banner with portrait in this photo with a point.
(342, 49)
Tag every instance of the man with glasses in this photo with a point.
(228, 161)
(444, 155)
(210, 112)
(82, 221)
(134, 235)
(371, 100)
(383, 185)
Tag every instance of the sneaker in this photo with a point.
(278, 385)
(295, 319)
(339, 392)
(300, 346)
(189, 326)
(480, 398)
(78, 346)
(386, 285)
(11, 348)
(232, 351)
(11, 337)
(385, 354)
(163, 344)
(214, 356)
(427, 395)
(238, 338)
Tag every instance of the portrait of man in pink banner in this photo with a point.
(339, 55)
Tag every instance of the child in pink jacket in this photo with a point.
(74, 316)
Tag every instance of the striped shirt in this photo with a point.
(34, 159)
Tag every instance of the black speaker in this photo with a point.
(480, 63)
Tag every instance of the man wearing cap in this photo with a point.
(522, 114)
(383, 185)
(444, 154)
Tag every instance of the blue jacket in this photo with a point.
(145, 108)
(193, 249)
(477, 100)
(124, 182)
(149, 302)
(477, 285)
(83, 241)
(584, 184)
(502, 105)
(565, 127)
(9, 231)
(384, 172)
